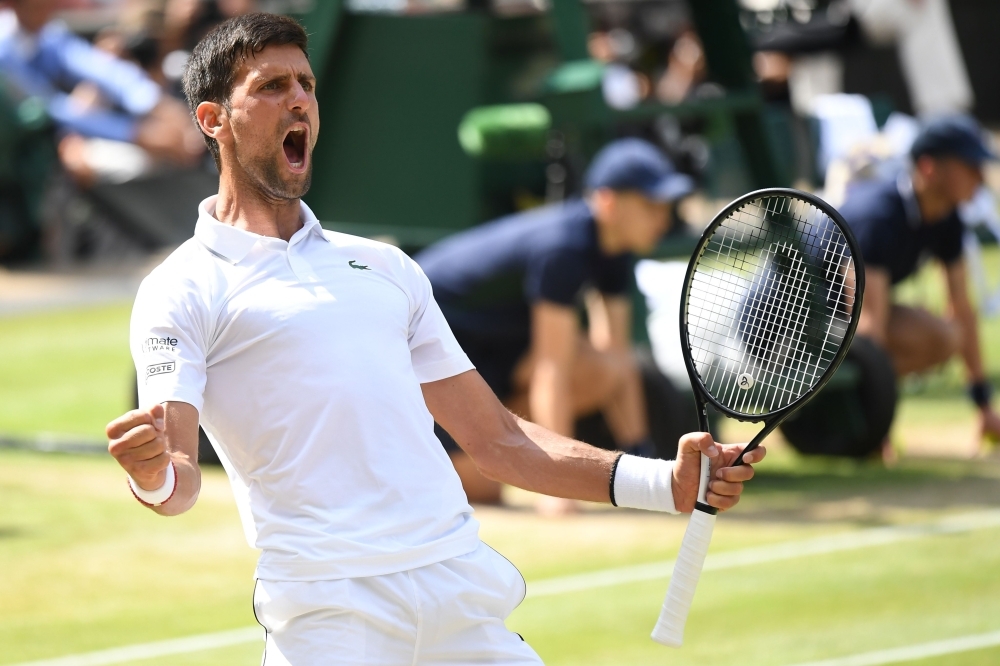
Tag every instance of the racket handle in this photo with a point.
(669, 629)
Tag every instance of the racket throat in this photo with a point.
(755, 442)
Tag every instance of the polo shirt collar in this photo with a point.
(232, 244)
(904, 184)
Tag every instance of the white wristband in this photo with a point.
(161, 494)
(643, 483)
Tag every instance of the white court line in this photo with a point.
(914, 652)
(130, 653)
(877, 536)
(563, 584)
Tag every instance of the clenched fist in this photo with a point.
(727, 482)
(137, 440)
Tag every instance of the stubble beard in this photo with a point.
(264, 174)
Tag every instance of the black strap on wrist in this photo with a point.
(611, 482)
(980, 393)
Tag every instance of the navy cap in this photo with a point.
(634, 164)
(952, 136)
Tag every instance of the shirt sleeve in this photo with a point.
(167, 337)
(556, 277)
(100, 124)
(616, 276)
(871, 230)
(434, 352)
(946, 240)
(123, 82)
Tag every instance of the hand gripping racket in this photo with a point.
(770, 303)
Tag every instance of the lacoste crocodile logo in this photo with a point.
(358, 266)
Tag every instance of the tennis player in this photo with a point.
(317, 363)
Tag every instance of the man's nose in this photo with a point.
(299, 98)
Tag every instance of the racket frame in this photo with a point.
(669, 629)
(702, 396)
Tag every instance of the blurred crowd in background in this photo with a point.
(99, 158)
(105, 75)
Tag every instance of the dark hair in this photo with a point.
(211, 70)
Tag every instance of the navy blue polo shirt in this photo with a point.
(885, 218)
(486, 279)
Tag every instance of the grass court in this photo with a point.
(84, 568)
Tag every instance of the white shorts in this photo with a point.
(451, 612)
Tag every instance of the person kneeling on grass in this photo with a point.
(901, 220)
(317, 363)
(510, 289)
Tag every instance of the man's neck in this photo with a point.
(608, 241)
(934, 206)
(245, 207)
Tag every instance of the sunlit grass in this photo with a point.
(83, 567)
(66, 372)
(86, 568)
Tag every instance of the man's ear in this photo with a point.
(213, 119)
(926, 166)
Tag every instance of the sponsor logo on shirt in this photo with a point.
(352, 264)
(159, 369)
(159, 344)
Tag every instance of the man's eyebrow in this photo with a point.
(259, 77)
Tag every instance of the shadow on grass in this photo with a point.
(867, 493)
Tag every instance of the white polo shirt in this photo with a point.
(304, 359)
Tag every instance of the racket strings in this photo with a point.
(773, 328)
(769, 304)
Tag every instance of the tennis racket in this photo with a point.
(770, 304)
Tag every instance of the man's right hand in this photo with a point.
(137, 440)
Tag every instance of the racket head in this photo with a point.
(771, 300)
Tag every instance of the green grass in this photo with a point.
(83, 567)
(65, 372)
(937, 400)
(86, 568)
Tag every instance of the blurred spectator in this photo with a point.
(800, 43)
(114, 122)
(685, 69)
(185, 22)
(929, 53)
(651, 51)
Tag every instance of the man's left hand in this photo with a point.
(727, 482)
(989, 425)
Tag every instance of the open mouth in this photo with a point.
(294, 146)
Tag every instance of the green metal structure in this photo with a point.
(394, 90)
(27, 156)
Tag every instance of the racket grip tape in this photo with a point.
(669, 629)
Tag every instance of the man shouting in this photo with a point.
(317, 363)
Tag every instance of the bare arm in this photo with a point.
(965, 316)
(526, 455)
(610, 321)
(554, 331)
(144, 442)
(874, 320)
